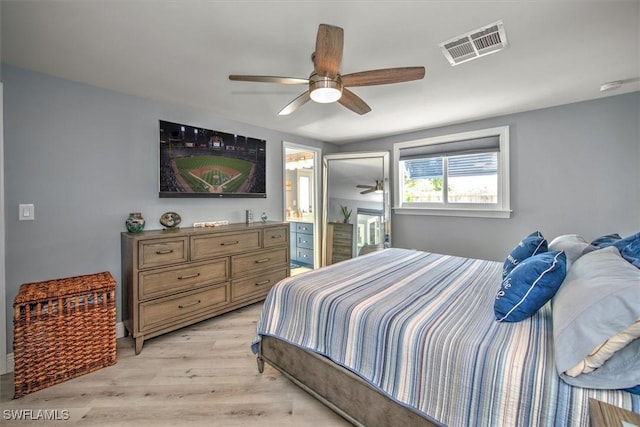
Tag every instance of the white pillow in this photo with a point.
(605, 350)
(598, 300)
(573, 246)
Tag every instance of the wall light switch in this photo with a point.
(26, 212)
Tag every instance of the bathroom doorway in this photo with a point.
(301, 204)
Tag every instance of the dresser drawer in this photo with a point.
(343, 233)
(255, 286)
(306, 228)
(154, 253)
(304, 241)
(157, 283)
(212, 245)
(259, 261)
(343, 251)
(169, 310)
(275, 236)
(304, 255)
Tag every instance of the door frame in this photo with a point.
(317, 186)
(3, 291)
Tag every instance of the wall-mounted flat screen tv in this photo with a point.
(198, 162)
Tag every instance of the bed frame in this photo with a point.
(338, 388)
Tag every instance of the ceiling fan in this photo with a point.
(375, 188)
(326, 84)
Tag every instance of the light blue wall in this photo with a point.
(86, 157)
(574, 169)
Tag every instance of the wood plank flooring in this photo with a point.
(202, 375)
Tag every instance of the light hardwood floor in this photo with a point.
(202, 375)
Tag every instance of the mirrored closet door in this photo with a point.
(356, 210)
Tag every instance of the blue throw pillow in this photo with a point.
(629, 248)
(606, 240)
(634, 390)
(531, 245)
(529, 286)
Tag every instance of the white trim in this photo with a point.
(475, 213)
(4, 361)
(502, 209)
(317, 185)
(121, 332)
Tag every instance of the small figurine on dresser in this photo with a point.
(170, 220)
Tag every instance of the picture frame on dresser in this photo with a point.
(177, 278)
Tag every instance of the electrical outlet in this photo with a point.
(26, 212)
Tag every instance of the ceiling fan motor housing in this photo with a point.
(324, 89)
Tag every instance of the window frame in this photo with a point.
(501, 209)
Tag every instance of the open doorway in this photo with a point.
(301, 180)
(370, 232)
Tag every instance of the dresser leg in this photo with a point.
(260, 361)
(139, 342)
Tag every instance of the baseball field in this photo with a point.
(214, 174)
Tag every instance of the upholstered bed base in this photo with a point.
(338, 388)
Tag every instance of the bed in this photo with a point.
(404, 337)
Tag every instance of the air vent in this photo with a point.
(475, 44)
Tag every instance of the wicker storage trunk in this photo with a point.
(62, 329)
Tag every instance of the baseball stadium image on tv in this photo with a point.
(198, 162)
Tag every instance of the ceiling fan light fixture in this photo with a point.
(325, 90)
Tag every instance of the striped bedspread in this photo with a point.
(420, 327)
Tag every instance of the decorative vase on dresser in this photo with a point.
(173, 279)
(134, 222)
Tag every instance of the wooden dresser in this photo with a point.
(339, 242)
(174, 278)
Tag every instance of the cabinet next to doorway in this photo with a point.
(302, 243)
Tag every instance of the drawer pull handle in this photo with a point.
(164, 251)
(264, 282)
(189, 305)
(235, 242)
(276, 236)
(260, 261)
(191, 276)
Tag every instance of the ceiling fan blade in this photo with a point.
(367, 191)
(384, 76)
(295, 104)
(353, 102)
(269, 79)
(328, 54)
(365, 186)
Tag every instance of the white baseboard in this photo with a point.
(120, 332)
(9, 362)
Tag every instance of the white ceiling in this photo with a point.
(560, 51)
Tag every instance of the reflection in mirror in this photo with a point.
(356, 210)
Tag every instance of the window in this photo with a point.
(465, 174)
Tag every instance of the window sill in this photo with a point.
(472, 213)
